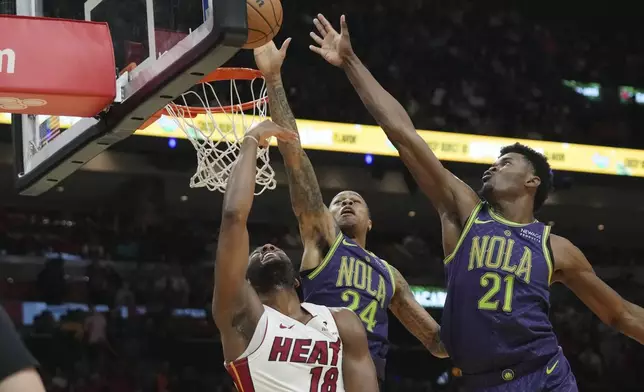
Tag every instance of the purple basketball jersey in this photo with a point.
(352, 277)
(498, 278)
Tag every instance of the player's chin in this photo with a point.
(486, 189)
(346, 220)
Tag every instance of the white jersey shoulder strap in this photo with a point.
(322, 320)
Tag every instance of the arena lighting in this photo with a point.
(172, 142)
(368, 159)
(31, 310)
(428, 296)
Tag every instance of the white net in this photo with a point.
(218, 133)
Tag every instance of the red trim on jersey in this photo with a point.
(240, 372)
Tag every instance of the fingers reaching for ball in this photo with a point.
(334, 47)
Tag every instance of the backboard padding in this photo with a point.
(151, 86)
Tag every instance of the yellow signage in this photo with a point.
(458, 147)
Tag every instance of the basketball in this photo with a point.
(264, 21)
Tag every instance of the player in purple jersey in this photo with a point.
(500, 261)
(336, 268)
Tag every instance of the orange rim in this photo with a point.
(231, 73)
(220, 74)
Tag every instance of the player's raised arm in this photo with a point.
(415, 318)
(315, 220)
(447, 193)
(358, 369)
(573, 269)
(235, 305)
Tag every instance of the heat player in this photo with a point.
(271, 341)
(336, 269)
(500, 261)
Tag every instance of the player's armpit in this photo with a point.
(357, 366)
(416, 319)
(448, 194)
(573, 269)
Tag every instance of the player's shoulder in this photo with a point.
(566, 255)
(347, 321)
(562, 246)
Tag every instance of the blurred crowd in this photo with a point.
(476, 67)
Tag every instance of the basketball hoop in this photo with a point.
(216, 129)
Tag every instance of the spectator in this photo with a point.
(51, 281)
(124, 296)
(96, 333)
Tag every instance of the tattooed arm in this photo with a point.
(416, 319)
(317, 226)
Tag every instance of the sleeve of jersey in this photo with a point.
(14, 356)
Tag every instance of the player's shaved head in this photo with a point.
(351, 212)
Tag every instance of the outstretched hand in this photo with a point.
(269, 59)
(265, 130)
(334, 47)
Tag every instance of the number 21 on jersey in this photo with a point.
(490, 300)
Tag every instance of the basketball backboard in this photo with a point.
(162, 48)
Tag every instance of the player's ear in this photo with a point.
(369, 225)
(533, 182)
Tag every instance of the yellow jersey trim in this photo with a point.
(328, 256)
(546, 252)
(466, 229)
(391, 275)
(501, 219)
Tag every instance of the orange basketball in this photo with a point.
(264, 21)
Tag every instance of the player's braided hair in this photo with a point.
(541, 169)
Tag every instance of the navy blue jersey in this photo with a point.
(498, 278)
(352, 277)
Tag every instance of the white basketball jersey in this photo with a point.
(285, 355)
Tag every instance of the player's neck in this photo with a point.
(519, 210)
(286, 302)
(361, 240)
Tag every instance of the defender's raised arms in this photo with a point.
(317, 226)
(453, 199)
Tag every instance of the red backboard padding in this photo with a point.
(55, 66)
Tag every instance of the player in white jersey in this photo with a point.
(271, 341)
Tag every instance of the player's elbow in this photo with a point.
(400, 135)
(233, 216)
(292, 153)
(626, 322)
